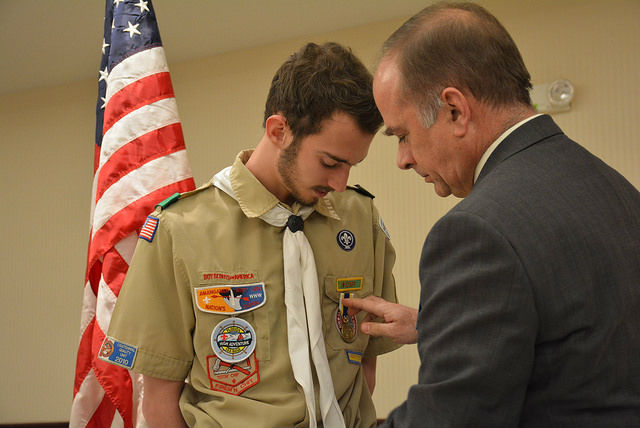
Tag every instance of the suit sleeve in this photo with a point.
(476, 329)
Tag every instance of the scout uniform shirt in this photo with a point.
(203, 301)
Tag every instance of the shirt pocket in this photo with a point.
(338, 327)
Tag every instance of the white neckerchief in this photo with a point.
(301, 292)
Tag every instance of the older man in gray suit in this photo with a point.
(530, 286)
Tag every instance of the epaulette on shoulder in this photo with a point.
(177, 196)
(358, 188)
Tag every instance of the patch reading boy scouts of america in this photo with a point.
(149, 229)
(233, 340)
(118, 353)
(232, 378)
(349, 284)
(346, 240)
(230, 299)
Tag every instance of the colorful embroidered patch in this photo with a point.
(349, 284)
(230, 299)
(149, 229)
(354, 357)
(346, 240)
(118, 353)
(233, 340)
(233, 378)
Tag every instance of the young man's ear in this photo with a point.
(276, 129)
(459, 112)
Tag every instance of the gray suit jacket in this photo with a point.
(530, 298)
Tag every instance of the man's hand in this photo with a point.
(399, 321)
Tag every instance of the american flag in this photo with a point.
(140, 159)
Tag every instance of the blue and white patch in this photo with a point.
(233, 340)
(346, 240)
(384, 228)
(149, 229)
(118, 353)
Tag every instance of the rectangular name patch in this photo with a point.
(354, 357)
(118, 353)
(349, 284)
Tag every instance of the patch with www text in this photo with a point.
(230, 299)
(118, 353)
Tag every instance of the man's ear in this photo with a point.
(458, 110)
(276, 129)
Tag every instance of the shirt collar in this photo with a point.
(495, 144)
(255, 200)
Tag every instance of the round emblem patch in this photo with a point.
(347, 326)
(233, 340)
(346, 240)
(107, 348)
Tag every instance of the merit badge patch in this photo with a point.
(346, 324)
(346, 240)
(149, 229)
(232, 378)
(349, 284)
(230, 299)
(118, 353)
(233, 340)
(354, 357)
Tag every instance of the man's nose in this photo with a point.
(405, 158)
(338, 179)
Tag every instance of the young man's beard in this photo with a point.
(288, 170)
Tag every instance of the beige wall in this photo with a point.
(46, 154)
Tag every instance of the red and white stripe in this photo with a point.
(141, 162)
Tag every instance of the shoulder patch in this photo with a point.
(149, 228)
(358, 188)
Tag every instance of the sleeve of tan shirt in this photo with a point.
(154, 311)
(385, 287)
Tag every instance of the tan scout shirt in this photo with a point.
(208, 239)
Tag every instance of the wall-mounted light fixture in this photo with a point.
(552, 97)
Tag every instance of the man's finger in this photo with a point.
(371, 304)
(377, 329)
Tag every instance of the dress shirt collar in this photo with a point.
(495, 144)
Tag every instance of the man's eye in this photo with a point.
(402, 139)
(330, 165)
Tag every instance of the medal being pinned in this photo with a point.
(346, 324)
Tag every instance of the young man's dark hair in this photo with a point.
(317, 81)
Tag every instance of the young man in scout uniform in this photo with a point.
(237, 286)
